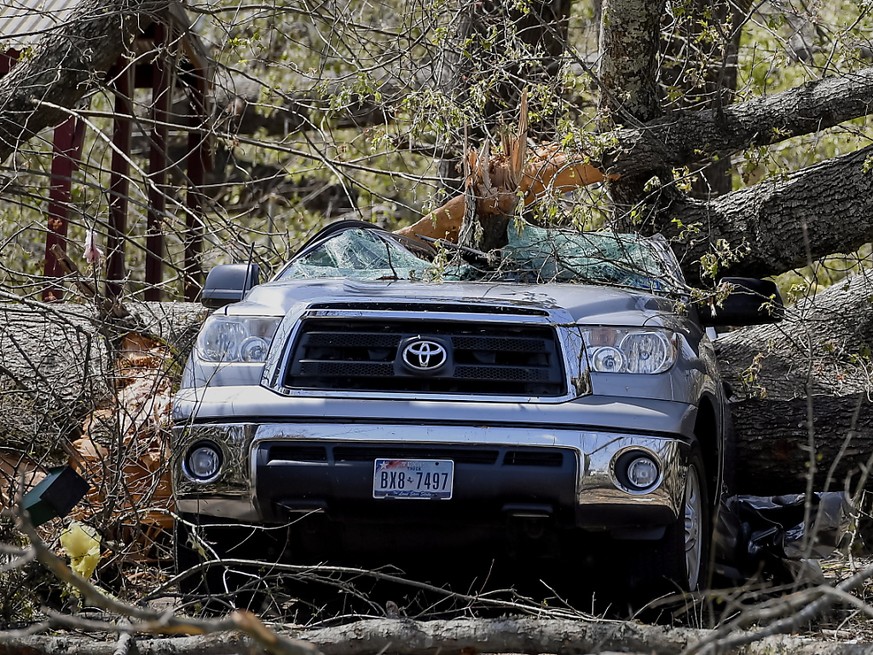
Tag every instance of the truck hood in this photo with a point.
(586, 304)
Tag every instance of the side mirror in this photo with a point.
(750, 302)
(229, 283)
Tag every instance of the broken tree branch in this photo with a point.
(690, 136)
(461, 637)
(67, 64)
(149, 621)
(549, 169)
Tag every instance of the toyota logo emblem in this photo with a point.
(424, 355)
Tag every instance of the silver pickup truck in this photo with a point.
(380, 399)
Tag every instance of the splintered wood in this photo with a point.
(124, 449)
(501, 180)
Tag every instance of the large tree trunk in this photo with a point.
(629, 94)
(803, 392)
(58, 368)
(455, 637)
(782, 223)
(53, 371)
(780, 441)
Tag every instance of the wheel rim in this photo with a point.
(693, 544)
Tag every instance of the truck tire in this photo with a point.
(679, 561)
(687, 542)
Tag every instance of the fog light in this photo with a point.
(203, 462)
(642, 472)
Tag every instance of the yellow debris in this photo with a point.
(82, 543)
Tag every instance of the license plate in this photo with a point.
(413, 478)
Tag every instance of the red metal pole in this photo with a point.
(119, 181)
(196, 164)
(59, 203)
(161, 91)
(8, 60)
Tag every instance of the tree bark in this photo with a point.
(628, 70)
(57, 366)
(53, 371)
(802, 391)
(643, 150)
(779, 445)
(454, 637)
(629, 94)
(781, 223)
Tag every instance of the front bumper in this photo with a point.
(272, 471)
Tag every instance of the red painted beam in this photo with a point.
(67, 150)
(7, 60)
(198, 154)
(119, 181)
(161, 91)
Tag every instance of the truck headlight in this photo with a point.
(630, 350)
(236, 339)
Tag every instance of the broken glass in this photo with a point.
(628, 260)
(532, 255)
(363, 254)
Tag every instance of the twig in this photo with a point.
(314, 572)
(797, 609)
(87, 288)
(162, 622)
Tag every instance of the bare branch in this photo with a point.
(689, 136)
(150, 621)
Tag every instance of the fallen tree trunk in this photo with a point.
(53, 370)
(801, 388)
(56, 363)
(453, 637)
(76, 385)
(780, 445)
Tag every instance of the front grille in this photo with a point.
(485, 359)
(370, 453)
(492, 456)
(533, 457)
(297, 453)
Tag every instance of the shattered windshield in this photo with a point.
(363, 254)
(628, 260)
(532, 255)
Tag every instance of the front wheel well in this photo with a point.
(706, 430)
